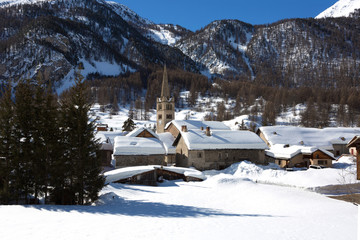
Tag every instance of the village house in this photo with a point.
(138, 151)
(207, 149)
(298, 156)
(333, 140)
(354, 146)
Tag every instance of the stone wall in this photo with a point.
(130, 160)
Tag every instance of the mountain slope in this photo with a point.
(53, 37)
(220, 47)
(343, 8)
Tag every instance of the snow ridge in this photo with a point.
(343, 8)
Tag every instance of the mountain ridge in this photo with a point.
(53, 36)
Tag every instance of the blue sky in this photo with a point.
(194, 14)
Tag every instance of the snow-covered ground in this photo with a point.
(228, 205)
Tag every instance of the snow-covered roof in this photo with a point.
(222, 139)
(279, 151)
(196, 125)
(123, 173)
(137, 131)
(105, 141)
(315, 137)
(352, 141)
(168, 140)
(125, 145)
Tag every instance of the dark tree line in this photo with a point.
(47, 146)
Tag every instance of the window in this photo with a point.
(159, 106)
(199, 155)
(168, 107)
(226, 155)
(219, 154)
(160, 116)
(322, 162)
(168, 116)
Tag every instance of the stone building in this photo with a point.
(207, 149)
(332, 139)
(165, 105)
(138, 151)
(298, 156)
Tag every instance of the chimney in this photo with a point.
(202, 128)
(207, 131)
(184, 128)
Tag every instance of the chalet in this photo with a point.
(333, 140)
(354, 146)
(102, 127)
(137, 151)
(165, 138)
(298, 156)
(217, 149)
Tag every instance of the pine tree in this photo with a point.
(128, 125)
(7, 145)
(51, 149)
(269, 114)
(84, 180)
(24, 157)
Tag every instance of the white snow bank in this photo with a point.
(272, 174)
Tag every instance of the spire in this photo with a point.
(165, 85)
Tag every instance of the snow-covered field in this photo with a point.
(228, 205)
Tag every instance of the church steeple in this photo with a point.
(165, 105)
(165, 85)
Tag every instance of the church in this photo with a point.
(165, 105)
(186, 143)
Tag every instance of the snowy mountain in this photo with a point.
(220, 47)
(343, 8)
(53, 37)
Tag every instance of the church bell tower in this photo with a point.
(165, 105)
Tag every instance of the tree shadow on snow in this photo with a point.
(112, 204)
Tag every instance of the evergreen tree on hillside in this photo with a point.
(25, 126)
(84, 179)
(128, 125)
(49, 147)
(7, 145)
(269, 114)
